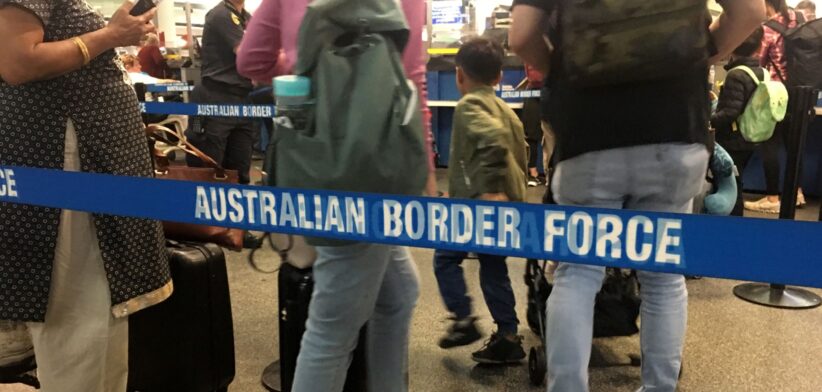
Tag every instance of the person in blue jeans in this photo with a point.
(488, 161)
(638, 145)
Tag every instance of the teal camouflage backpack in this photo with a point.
(364, 132)
(766, 107)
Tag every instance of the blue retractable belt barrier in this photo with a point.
(211, 110)
(750, 249)
(169, 88)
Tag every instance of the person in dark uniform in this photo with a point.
(228, 140)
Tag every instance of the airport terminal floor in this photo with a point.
(731, 345)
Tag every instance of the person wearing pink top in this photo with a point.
(354, 285)
(772, 58)
(269, 49)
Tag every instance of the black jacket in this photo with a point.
(734, 96)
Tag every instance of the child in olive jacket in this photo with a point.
(488, 160)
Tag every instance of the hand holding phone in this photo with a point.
(124, 29)
(143, 6)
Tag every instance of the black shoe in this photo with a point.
(462, 333)
(250, 241)
(500, 350)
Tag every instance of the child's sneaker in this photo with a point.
(462, 333)
(500, 350)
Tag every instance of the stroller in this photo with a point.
(615, 311)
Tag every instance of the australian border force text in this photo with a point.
(513, 229)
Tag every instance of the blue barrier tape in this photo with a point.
(750, 249)
(211, 110)
(171, 87)
(260, 111)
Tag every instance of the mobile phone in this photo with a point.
(143, 6)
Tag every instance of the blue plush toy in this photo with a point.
(722, 200)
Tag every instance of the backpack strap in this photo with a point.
(751, 73)
(778, 71)
(778, 27)
(783, 29)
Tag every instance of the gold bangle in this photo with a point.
(83, 49)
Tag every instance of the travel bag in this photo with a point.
(212, 172)
(186, 343)
(295, 286)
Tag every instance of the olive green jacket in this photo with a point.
(488, 149)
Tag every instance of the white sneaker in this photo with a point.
(800, 200)
(763, 205)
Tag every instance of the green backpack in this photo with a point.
(766, 107)
(607, 42)
(364, 131)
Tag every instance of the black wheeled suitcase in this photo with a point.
(295, 288)
(186, 344)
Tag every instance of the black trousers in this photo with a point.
(228, 144)
(531, 121)
(741, 159)
(229, 141)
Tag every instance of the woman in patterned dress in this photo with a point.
(74, 277)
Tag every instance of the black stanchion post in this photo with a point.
(800, 112)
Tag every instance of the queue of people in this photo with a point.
(74, 278)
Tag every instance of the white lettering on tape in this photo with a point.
(644, 253)
(666, 239)
(552, 230)
(509, 221)
(462, 223)
(8, 185)
(484, 225)
(268, 212)
(288, 215)
(334, 216)
(237, 212)
(609, 229)
(391, 213)
(437, 218)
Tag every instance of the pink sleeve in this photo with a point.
(414, 63)
(259, 57)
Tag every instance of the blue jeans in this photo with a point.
(494, 281)
(355, 285)
(660, 177)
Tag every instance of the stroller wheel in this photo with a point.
(537, 366)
